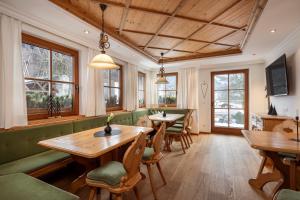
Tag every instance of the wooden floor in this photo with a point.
(216, 167)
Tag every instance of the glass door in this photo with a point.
(229, 101)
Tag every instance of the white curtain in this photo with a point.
(130, 89)
(93, 89)
(13, 109)
(188, 94)
(153, 90)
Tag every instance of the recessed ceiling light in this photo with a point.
(273, 30)
(86, 31)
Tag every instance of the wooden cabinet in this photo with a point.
(265, 122)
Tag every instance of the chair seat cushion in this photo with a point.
(110, 173)
(148, 153)
(173, 130)
(286, 194)
(21, 186)
(178, 125)
(32, 163)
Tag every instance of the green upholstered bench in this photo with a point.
(19, 151)
(286, 194)
(89, 123)
(123, 119)
(137, 114)
(21, 186)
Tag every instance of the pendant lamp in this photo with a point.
(162, 78)
(102, 60)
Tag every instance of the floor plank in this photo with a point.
(215, 167)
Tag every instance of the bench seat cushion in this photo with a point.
(32, 163)
(286, 194)
(21, 186)
(173, 130)
(110, 173)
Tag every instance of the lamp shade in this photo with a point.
(103, 61)
(162, 80)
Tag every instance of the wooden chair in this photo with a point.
(118, 177)
(189, 127)
(153, 155)
(178, 133)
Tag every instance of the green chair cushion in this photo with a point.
(286, 194)
(148, 153)
(178, 125)
(173, 130)
(21, 186)
(110, 173)
(32, 163)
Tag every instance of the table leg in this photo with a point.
(89, 165)
(280, 174)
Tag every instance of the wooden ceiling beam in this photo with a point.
(200, 28)
(109, 30)
(202, 55)
(166, 49)
(166, 22)
(124, 16)
(151, 11)
(175, 37)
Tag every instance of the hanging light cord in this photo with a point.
(162, 70)
(103, 43)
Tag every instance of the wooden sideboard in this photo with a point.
(266, 122)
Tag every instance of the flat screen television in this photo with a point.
(277, 80)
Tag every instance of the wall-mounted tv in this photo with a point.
(277, 80)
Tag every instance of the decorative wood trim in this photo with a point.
(109, 30)
(28, 39)
(167, 21)
(246, 109)
(124, 16)
(202, 27)
(151, 11)
(203, 55)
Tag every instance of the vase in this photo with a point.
(164, 113)
(107, 129)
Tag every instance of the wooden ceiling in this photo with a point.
(182, 29)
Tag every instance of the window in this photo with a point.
(141, 89)
(167, 93)
(113, 89)
(49, 69)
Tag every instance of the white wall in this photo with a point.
(287, 105)
(257, 100)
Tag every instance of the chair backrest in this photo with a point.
(158, 138)
(133, 156)
(286, 126)
(144, 121)
(186, 121)
(190, 118)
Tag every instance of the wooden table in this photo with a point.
(169, 119)
(86, 149)
(271, 143)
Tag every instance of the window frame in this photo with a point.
(120, 107)
(144, 89)
(32, 40)
(169, 74)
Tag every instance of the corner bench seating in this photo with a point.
(20, 153)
